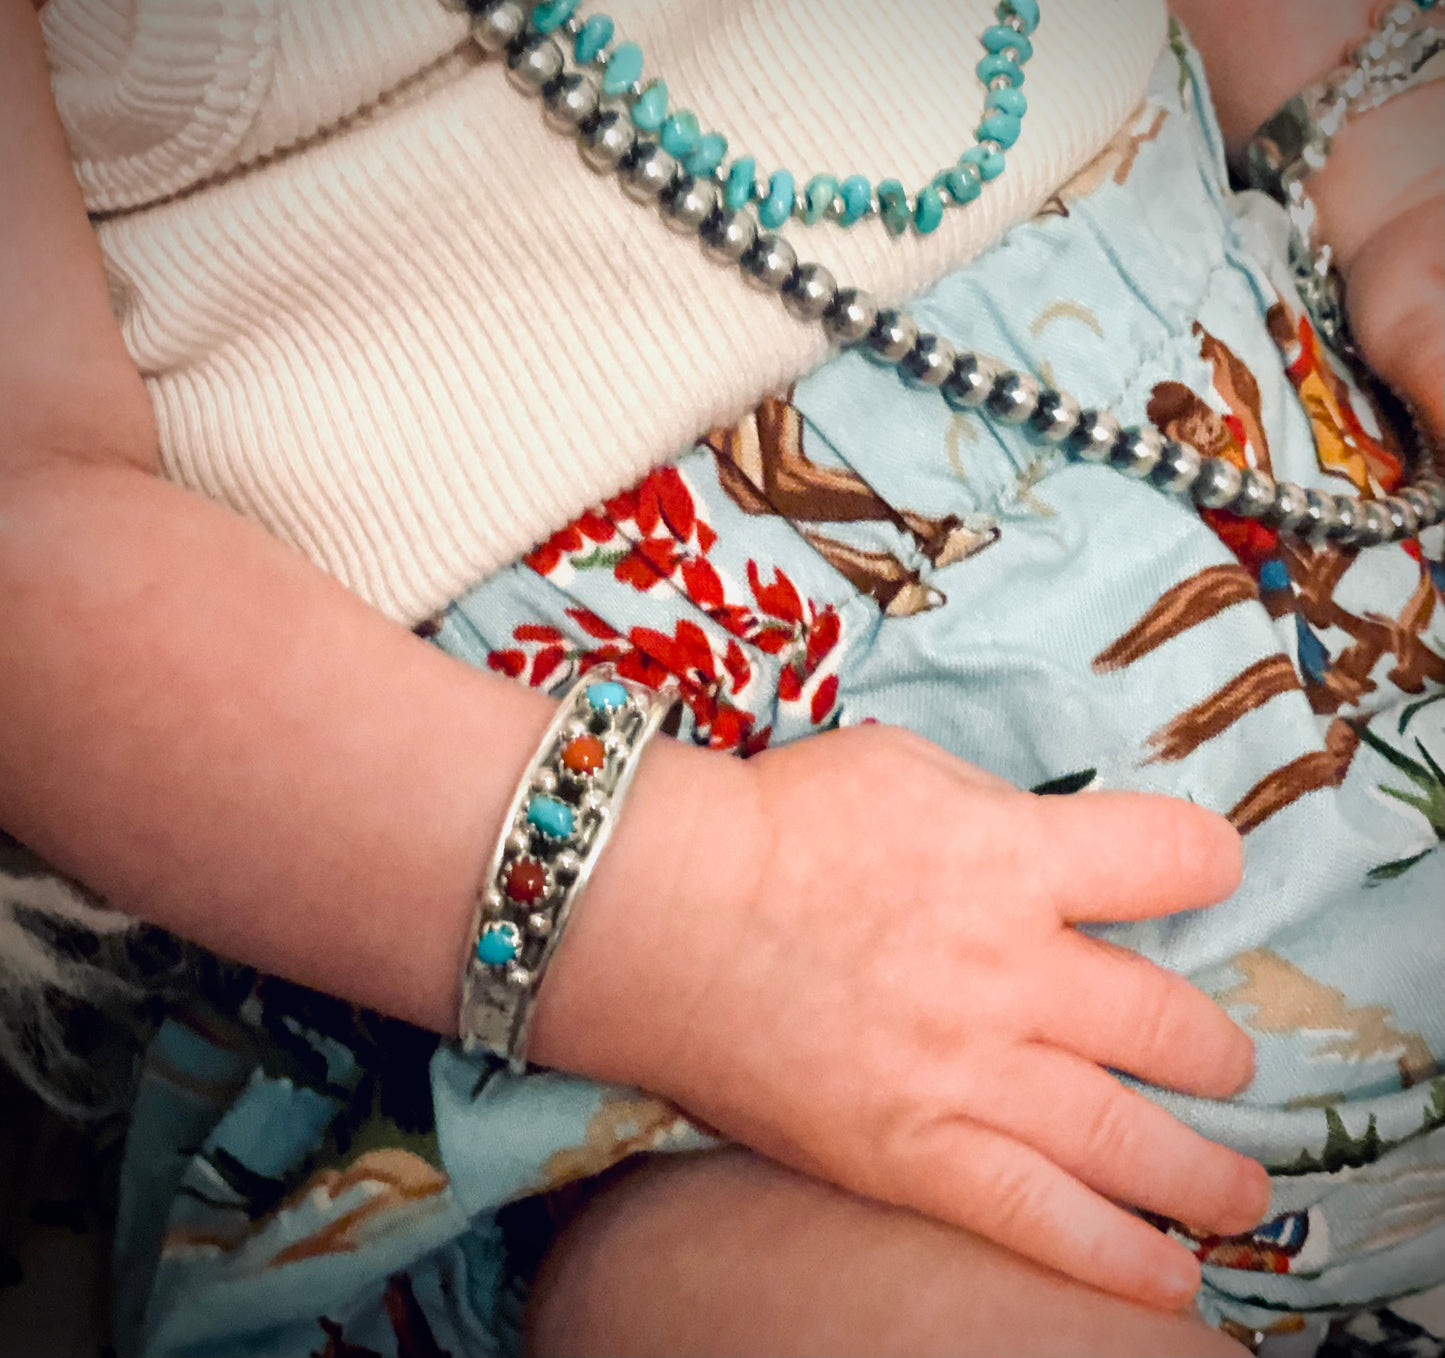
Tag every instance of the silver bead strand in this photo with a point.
(1177, 468)
(1055, 416)
(571, 100)
(851, 316)
(498, 26)
(1136, 452)
(770, 263)
(929, 364)
(1219, 482)
(607, 141)
(728, 236)
(892, 337)
(810, 292)
(689, 203)
(534, 63)
(647, 172)
(1014, 398)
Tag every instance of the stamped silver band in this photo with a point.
(555, 829)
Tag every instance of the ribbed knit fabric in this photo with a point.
(384, 310)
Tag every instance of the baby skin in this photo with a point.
(937, 1160)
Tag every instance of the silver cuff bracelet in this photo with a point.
(555, 829)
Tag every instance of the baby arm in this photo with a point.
(1381, 194)
(219, 739)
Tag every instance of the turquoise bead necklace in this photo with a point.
(779, 195)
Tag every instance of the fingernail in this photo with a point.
(1180, 1276)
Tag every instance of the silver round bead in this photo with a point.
(1419, 501)
(851, 316)
(593, 803)
(1217, 484)
(498, 26)
(1435, 495)
(1013, 398)
(518, 976)
(534, 63)
(571, 100)
(1136, 451)
(647, 172)
(607, 141)
(544, 781)
(1319, 516)
(1177, 467)
(492, 899)
(968, 385)
(1288, 507)
(518, 840)
(893, 334)
(1377, 524)
(1094, 436)
(1348, 521)
(567, 864)
(810, 292)
(1404, 519)
(689, 203)
(770, 263)
(929, 363)
(1255, 496)
(539, 924)
(1054, 416)
(728, 236)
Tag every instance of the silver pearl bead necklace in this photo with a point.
(575, 105)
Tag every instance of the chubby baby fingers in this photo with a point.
(1120, 1010)
(1010, 1193)
(1131, 855)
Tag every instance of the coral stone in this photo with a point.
(526, 881)
(584, 755)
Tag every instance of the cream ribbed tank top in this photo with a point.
(383, 310)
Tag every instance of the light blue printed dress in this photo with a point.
(303, 1178)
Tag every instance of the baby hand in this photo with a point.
(884, 989)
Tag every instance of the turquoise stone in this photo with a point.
(606, 696)
(857, 194)
(553, 818)
(963, 182)
(649, 109)
(1009, 101)
(551, 15)
(928, 210)
(739, 189)
(707, 155)
(498, 944)
(1026, 10)
(680, 133)
(818, 197)
(1000, 39)
(624, 68)
(989, 164)
(777, 207)
(893, 206)
(1003, 128)
(592, 37)
(994, 65)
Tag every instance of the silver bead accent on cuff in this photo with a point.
(1217, 484)
(647, 172)
(851, 316)
(1013, 398)
(689, 202)
(571, 100)
(968, 385)
(728, 236)
(1094, 436)
(929, 363)
(893, 335)
(1255, 495)
(770, 263)
(536, 62)
(608, 141)
(1055, 416)
(497, 26)
(1136, 451)
(1177, 468)
(810, 292)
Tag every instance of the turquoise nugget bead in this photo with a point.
(606, 696)
(551, 817)
(708, 154)
(893, 205)
(1000, 39)
(740, 182)
(624, 68)
(1009, 101)
(549, 17)
(1003, 128)
(497, 945)
(591, 38)
(1026, 10)
(650, 107)
(989, 164)
(777, 207)
(995, 65)
(857, 194)
(928, 211)
(818, 197)
(964, 183)
(680, 133)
